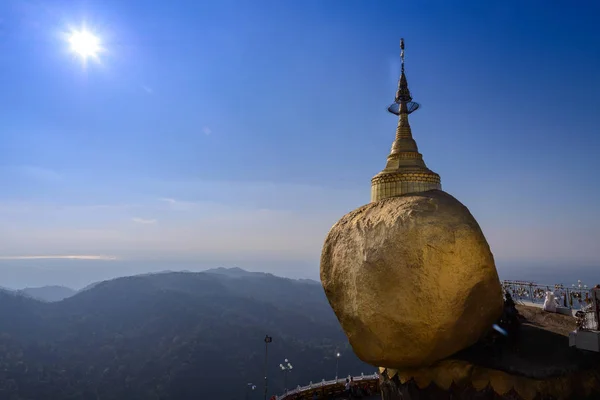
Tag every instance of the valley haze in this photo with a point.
(77, 274)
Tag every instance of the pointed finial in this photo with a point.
(402, 53)
(402, 94)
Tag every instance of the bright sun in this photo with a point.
(85, 44)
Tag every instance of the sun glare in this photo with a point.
(85, 44)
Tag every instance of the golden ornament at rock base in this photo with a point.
(575, 385)
(411, 279)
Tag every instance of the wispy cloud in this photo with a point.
(217, 221)
(168, 200)
(207, 131)
(147, 89)
(201, 207)
(143, 221)
(178, 205)
(61, 257)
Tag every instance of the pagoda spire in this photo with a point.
(405, 171)
(403, 94)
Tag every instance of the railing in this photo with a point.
(320, 387)
(574, 297)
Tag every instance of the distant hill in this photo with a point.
(173, 335)
(4, 289)
(234, 272)
(241, 273)
(88, 287)
(309, 281)
(48, 293)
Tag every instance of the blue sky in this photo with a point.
(235, 133)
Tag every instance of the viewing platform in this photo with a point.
(527, 293)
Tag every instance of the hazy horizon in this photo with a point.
(81, 274)
(236, 133)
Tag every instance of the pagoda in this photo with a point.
(405, 171)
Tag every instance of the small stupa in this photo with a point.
(405, 171)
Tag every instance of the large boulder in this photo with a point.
(411, 279)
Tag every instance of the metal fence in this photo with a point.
(575, 297)
(324, 384)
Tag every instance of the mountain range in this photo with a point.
(53, 293)
(171, 335)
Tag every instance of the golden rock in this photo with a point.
(411, 279)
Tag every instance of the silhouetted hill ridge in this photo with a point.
(48, 293)
(234, 272)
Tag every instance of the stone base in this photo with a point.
(564, 311)
(585, 340)
(393, 389)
